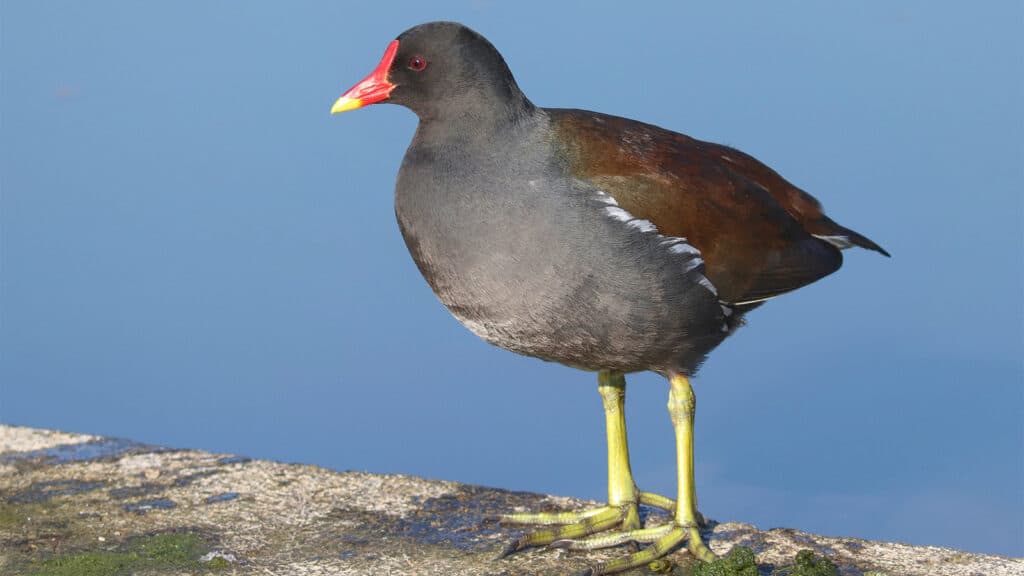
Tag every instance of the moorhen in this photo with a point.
(595, 241)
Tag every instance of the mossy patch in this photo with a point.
(739, 562)
(809, 564)
(218, 563)
(162, 551)
(10, 516)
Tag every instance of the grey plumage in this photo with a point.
(529, 258)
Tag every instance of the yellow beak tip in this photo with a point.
(345, 104)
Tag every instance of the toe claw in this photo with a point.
(512, 547)
(564, 544)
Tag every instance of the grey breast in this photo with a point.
(541, 264)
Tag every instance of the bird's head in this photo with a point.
(438, 69)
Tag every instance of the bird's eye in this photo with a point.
(417, 64)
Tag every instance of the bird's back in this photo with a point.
(759, 235)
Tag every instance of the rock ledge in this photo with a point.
(79, 504)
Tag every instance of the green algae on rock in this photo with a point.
(809, 564)
(739, 562)
(160, 551)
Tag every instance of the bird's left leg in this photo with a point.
(622, 512)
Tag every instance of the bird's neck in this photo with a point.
(482, 143)
(475, 113)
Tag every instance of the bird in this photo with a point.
(591, 240)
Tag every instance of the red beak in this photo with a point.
(373, 88)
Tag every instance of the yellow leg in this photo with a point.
(621, 488)
(682, 406)
(622, 512)
(685, 520)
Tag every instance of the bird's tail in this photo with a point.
(828, 230)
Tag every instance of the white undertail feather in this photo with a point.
(840, 241)
(756, 300)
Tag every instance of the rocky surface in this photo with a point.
(82, 505)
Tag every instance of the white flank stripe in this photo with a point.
(605, 198)
(681, 247)
(675, 245)
(707, 284)
(623, 216)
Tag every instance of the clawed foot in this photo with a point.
(608, 526)
(666, 538)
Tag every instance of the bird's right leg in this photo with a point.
(622, 513)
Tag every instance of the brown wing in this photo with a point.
(756, 231)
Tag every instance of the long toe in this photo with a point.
(614, 538)
(661, 547)
(550, 518)
(669, 538)
(606, 518)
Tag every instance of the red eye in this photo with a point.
(416, 63)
